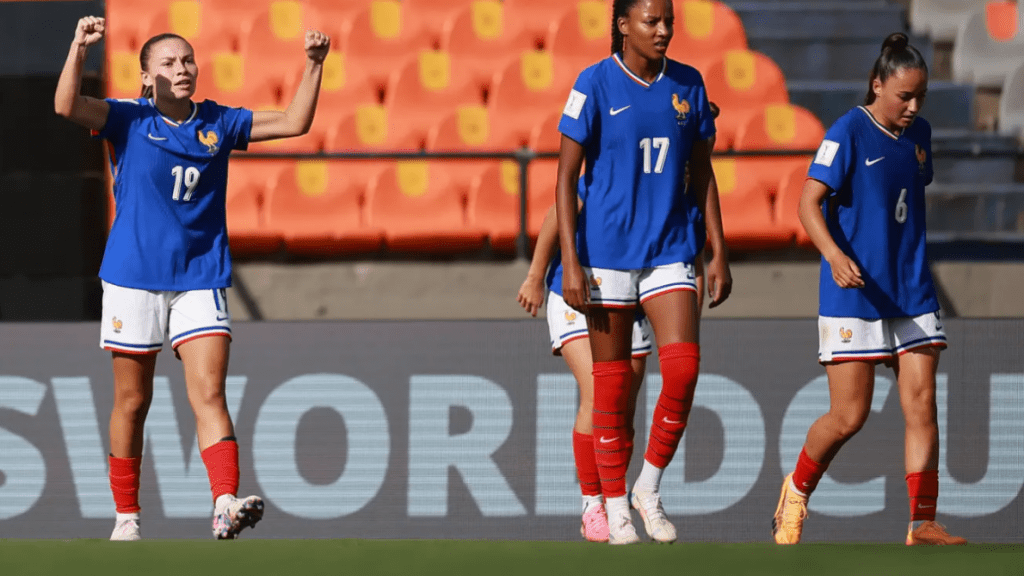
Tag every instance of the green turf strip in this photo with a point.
(450, 558)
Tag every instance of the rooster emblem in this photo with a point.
(595, 281)
(846, 335)
(570, 317)
(682, 108)
(117, 325)
(922, 157)
(209, 139)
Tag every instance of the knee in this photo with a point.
(920, 410)
(849, 422)
(132, 403)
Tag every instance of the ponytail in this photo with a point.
(897, 53)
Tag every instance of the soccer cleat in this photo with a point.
(594, 527)
(931, 533)
(620, 528)
(653, 514)
(126, 530)
(238, 514)
(788, 523)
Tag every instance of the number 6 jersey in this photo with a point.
(875, 214)
(170, 187)
(637, 138)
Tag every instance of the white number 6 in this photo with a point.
(901, 207)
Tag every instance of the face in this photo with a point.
(647, 29)
(900, 97)
(172, 70)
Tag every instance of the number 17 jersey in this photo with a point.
(170, 189)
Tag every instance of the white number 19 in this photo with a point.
(659, 144)
(188, 176)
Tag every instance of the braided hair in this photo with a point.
(620, 9)
(897, 53)
(147, 91)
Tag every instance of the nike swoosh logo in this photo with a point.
(873, 162)
(667, 421)
(157, 138)
(616, 112)
(919, 506)
(604, 440)
(221, 319)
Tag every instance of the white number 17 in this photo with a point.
(659, 144)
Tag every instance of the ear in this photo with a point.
(147, 79)
(876, 87)
(623, 25)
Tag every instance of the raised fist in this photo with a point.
(90, 30)
(317, 45)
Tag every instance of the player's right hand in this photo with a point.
(845, 272)
(575, 289)
(90, 30)
(531, 295)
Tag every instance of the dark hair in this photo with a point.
(620, 9)
(147, 91)
(896, 53)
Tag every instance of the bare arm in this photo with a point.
(844, 271)
(702, 180)
(68, 102)
(531, 293)
(298, 117)
(575, 290)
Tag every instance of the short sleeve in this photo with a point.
(123, 112)
(705, 119)
(835, 158)
(580, 115)
(238, 127)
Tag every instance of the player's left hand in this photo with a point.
(531, 295)
(317, 45)
(719, 279)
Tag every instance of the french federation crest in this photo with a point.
(682, 109)
(209, 139)
(922, 157)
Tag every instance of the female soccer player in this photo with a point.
(877, 300)
(166, 264)
(637, 118)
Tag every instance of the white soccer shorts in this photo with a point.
(626, 288)
(880, 340)
(566, 325)
(137, 321)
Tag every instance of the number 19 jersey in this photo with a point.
(637, 138)
(876, 215)
(170, 188)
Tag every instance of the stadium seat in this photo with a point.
(339, 13)
(1011, 104)
(494, 204)
(989, 45)
(579, 37)
(536, 16)
(123, 72)
(425, 88)
(468, 129)
(541, 180)
(229, 79)
(544, 136)
(318, 209)
(741, 82)
(246, 197)
(704, 31)
(276, 37)
(382, 36)
(343, 86)
(787, 203)
(779, 127)
(432, 14)
(368, 128)
(748, 217)
(235, 17)
(480, 39)
(526, 89)
(127, 23)
(940, 19)
(420, 211)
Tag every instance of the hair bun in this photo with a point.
(896, 42)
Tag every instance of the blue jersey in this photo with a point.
(875, 214)
(637, 138)
(170, 187)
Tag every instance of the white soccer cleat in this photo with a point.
(126, 530)
(620, 528)
(239, 513)
(653, 514)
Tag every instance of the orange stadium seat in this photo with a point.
(186, 18)
(432, 14)
(425, 88)
(235, 17)
(480, 39)
(368, 128)
(276, 37)
(741, 82)
(420, 211)
(704, 31)
(123, 70)
(468, 129)
(1002, 20)
(494, 204)
(126, 23)
(536, 16)
(343, 86)
(338, 12)
(544, 136)
(787, 202)
(526, 89)
(318, 209)
(747, 214)
(231, 80)
(541, 180)
(779, 127)
(382, 36)
(246, 197)
(579, 37)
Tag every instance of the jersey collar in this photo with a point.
(878, 124)
(634, 77)
(191, 117)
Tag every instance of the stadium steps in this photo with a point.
(968, 156)
(949, 105)
(975, 211)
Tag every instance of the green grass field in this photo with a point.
(450, 557)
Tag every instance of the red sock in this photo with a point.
(221, 461)
(612, 444)
(807, 473)
(124, 483)
(586, 464)
(923, 489)
(680, 365)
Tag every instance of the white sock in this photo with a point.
(591, 501)
(915, 524)
(616, 506)
(124, 517)
(649, 479)
(793, 487)
(222, 502)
